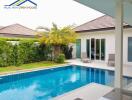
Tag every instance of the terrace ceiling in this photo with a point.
(108, 7)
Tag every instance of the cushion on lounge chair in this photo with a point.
(84, 58)
(111, 60)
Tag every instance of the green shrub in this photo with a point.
(25, 52)
(14, 55)
(43, 52)
(6, 50)
(19, 39)
(60, 58)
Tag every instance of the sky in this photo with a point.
(61, 12)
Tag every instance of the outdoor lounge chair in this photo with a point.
(84, 58)
(111, 60)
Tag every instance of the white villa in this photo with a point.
(97, 40)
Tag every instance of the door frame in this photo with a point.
(77, 49)
(95, 48)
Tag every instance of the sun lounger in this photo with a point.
(84, 58)
(111, 60)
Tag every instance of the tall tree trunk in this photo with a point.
(56, 50)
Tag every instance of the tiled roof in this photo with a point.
(17, 29)
(103, 22)
(1, 27)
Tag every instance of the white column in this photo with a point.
(83, 45)
(119, 44)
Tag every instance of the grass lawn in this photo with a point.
(43, 64)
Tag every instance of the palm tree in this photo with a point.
(57, 37)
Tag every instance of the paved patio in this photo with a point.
(127, 70)
(118, 94)
(88, 92)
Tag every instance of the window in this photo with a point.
(102, 49)
(97, 49)
(92, 49)
(129, 49)
(88, 48)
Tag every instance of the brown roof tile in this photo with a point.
(17, 29)
(102, 22)
(1, 27)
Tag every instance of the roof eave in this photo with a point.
(108, 7)
(101, 29)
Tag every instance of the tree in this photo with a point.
(57, 37)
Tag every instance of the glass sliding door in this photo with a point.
(129, 49)
(92, 49)
(97, 49)
(102, 49)
(88, 48)
(78, 48)
(127, 82)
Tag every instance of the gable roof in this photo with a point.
(101, 23)
(1, 27)
(17, 29)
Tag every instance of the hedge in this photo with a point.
(19, 39)
(6, 51)
(25, 52)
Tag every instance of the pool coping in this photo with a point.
(57, 66)
(33, 70)
(42, 68)
(103, 68)
(78, 89)
(91, 66)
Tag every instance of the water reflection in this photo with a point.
(55, 82)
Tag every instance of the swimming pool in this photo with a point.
(49, 83)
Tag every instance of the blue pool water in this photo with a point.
(46, 84)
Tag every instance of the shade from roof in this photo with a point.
(17, 29)
(103, 22)
(108, 7)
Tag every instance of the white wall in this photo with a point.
(109, 36)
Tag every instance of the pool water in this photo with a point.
(47, 84)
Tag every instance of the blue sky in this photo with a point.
(61, 12)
